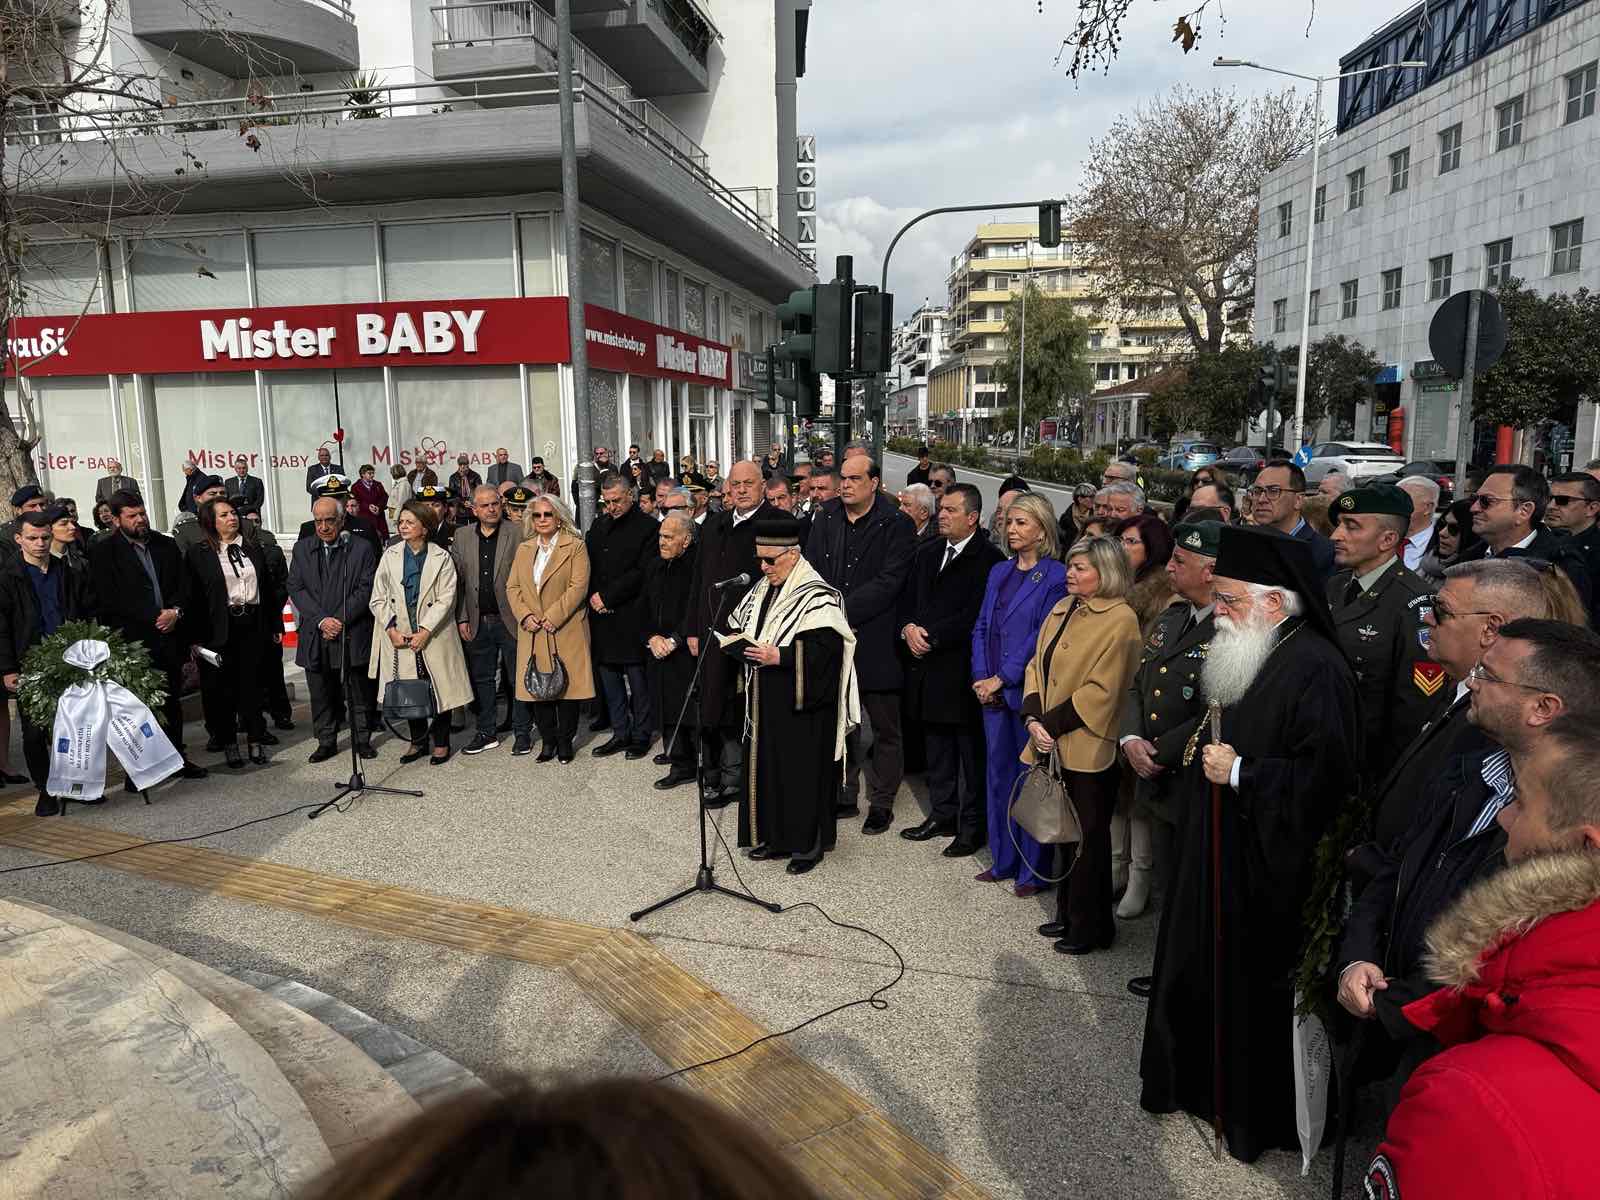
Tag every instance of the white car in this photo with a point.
(1358, 460)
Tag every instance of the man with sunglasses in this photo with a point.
(1508, 513)
(1575, 511)
(1535, 679)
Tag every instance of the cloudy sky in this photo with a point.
(922, 103)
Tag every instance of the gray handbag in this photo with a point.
(1041, 804)
(545, 685)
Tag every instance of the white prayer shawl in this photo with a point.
(805, 604)
(98, 713)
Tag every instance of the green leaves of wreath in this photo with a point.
(46, 674)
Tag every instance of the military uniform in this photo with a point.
(1164, 702)
(1384, 635)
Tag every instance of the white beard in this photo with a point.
(1236, 657)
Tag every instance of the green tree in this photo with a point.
(1552, 357)
(1210, 392)
(1056, 371)
(1339, 375)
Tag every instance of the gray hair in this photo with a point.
(1422, 488)
(1119, 467)
(1511, 587)
(679, 516)
(1293, 605)
(1337, 475)
(1126, 489)
(921, 495)
(680, 490)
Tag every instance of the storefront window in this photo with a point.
(638, 285)
(133, 460)
(669, 298)
(714, 318)
(329, 266)
(538, 263)
(76, 435)
(447, 260)
(599, 270)
(207, 418)
(192, 271)
(605, 396)
(641, 414)
(304, 418)
(60, 279)
(544, 397)
(694, 307)
(446, 411)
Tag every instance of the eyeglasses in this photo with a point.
(543, 515)
(773, 560)
(1227, 601)
(1449, 528)
(1563, 501)
(1272, 491)
(1439, 613)
(1481, 674)
(1484, 500)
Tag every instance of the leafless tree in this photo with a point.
(1169, 204)
(1095, 40)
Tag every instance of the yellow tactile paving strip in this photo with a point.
(842, 1144)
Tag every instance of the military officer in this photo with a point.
(1163, 705)
(517, 500)
(1378, 609)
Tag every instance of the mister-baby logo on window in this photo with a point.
(439, 331)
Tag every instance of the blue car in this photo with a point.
(1190, 456)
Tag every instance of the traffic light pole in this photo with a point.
(843, 273)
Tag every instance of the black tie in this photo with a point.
(1351, 591)
(949, 555)
(1188, 624)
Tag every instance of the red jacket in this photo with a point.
(1511, 1109)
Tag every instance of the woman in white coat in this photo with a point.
(414, 633)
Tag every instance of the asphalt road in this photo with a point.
(895, 467)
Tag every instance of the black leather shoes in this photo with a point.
(365, 751)
(46, 806)
(268, 738)
(282, 723)
(929, 829)
(1085, 945)
(411, 755)
(877, 821)
(661, 759)
(547, 751)
(1053, 930)
(232, 756)
(719, 799)
(961, 849)
(762, 853)
(672, 780)
(1142, 985)
(634, 753)
(615, 746)
(323, 754)
(565, 752)
(599, 724)
(191, 770)
(799, 866)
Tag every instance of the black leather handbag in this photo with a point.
(545, 685)
(407, 699)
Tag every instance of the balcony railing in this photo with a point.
(343, 8)
(491, 22)
(637, 118)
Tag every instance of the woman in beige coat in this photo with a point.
(1072, 692)
(547, 588)
(414, 633)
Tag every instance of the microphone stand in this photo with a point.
(357, 784)
(704, 877)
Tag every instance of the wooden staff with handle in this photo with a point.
(1216, 941)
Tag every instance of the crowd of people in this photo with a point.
(1216, 683)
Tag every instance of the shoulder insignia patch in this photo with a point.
(1428, 676)
(1425, 636)
(1158, 639)
(1417, 601)
(1381, 1183)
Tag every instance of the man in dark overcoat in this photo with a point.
(621, 543)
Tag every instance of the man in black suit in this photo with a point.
(243, 486)
(503, 470)
(1508, 514)
(1276, 498)
(863, 544)
(621, 544)
(938, 610)
(338, 489)
(330, 582)
(115, 481)
(141, 588)
(323, 466)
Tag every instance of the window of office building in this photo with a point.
(1449, 149)
(638, 285)
(1285, 218)
(448, 260)
(1400, 170)
(1356, 182)
(1439, 276)
(304, 418)
(1508, 124)
(669, 298)
(1580, 93)
(538, 257)
(1105, 372)
(1348, 295)
(694, 308)
(60, 279)
(1321, 207)
(207, 418)
(189, 271)
(333, 265)
(446, 411)
(1497, 263)
(76, 435)
(1391, 288)
(1316, 306)
(1566, 247)
(599, 260)
(1280, 316)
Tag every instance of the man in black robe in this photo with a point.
(1286, 760)
(797, 652)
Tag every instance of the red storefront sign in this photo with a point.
(333, 336)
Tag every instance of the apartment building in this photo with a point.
(347, 232)
(921, 342)
(1480, 168)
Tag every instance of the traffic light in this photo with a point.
(1268, 375)
(1288, 375)
(801, 387)
(1049, 224)
(874, 327)
(798, 349)
(831, 321)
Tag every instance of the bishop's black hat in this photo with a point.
(1259, 555)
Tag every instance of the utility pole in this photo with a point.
(1022, 348)
(571, 230)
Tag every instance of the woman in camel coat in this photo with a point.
(548, 589)
(414, 618)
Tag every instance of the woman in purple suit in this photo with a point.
(1021, 591)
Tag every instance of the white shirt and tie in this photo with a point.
(953, 550)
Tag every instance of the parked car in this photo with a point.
(1441, 470)
(1359, 460)
(1190, 456)
(1131, 454)
(1243, 462)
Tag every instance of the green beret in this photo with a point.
(1201, 537)
(1385, 499)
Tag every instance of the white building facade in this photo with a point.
(1485, 166)
(921, 342)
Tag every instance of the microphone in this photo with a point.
(736, 581)
(344, 537)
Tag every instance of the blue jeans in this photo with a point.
(495, 645)
(636, 727)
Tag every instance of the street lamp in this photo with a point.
(1311, 207)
